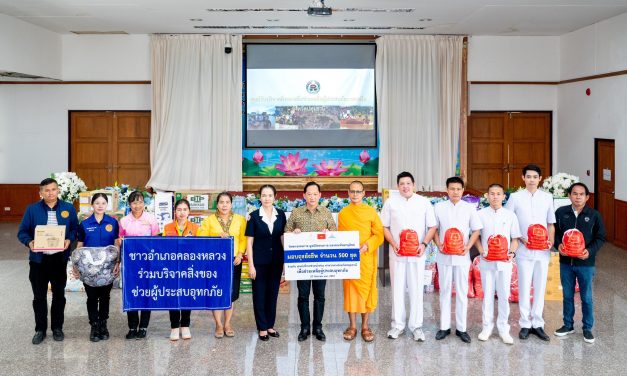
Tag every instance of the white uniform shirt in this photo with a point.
(531, 209)
(462, 216)
(499, 222)
(400, 213)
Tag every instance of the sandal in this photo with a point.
(229, 332)
(367, 335)
(350, 334)
(219, 332)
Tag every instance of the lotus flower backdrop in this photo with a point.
(310, 162)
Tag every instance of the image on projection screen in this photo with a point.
(328, 108)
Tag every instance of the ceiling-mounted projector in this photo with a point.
(321, 10)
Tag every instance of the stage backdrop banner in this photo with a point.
(322, 255)
(166, 273)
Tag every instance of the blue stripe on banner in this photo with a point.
(322, 255)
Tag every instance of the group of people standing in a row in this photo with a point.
(261, 239)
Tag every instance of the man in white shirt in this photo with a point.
(460, 217)
(532, 207)
(500, 224)
(408, 211)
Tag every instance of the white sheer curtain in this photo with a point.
(419, 83)
(196, 132)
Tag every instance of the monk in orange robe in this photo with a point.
(361, 295)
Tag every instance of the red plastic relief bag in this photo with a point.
(453, 242)
(409, 243)
(537, 237)
(574, 243)
(497, 248)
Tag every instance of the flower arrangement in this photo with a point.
(559, 183)
(333, 203)
(70, 185)
(124, 190)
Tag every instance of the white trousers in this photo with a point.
(408, 275)
(499, 281)
(445, 278)
(529, 271)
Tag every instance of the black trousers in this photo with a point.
(51, 270)
(237, 278)
(304, 289)
(98, 302)
(134, 319)
(265, 294)
(180, 319)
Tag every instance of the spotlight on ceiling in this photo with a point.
(319, 9)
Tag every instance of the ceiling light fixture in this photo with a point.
(195, 19)
(319, 10)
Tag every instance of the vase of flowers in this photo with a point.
(70, 185)
(558, 184)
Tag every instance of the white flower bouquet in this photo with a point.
(559, 183)
(70, 185)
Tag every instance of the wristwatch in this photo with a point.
(425, 244)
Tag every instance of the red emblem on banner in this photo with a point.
(322, 236)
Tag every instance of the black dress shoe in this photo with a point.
(320, 335)
(264, 338)
(132, 334)
(141, 333)
(302, 336)
(540, 333)
(39, 337)
(103, 332)
(463, 336)
(274, 334)
(524, 333)
(94, 334)
(441, 334)
(57, 334)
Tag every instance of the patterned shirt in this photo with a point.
(303, 219)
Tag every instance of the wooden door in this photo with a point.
(108, 147)
(500, 144)
(604, 184)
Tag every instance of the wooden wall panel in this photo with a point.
(620, 215)
(16, 197)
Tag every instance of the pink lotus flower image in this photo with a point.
(292, 165)
(330, 168)
(364, 156)
(258, 157)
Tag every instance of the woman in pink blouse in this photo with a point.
(138, 223)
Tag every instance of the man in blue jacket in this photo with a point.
(48, 267)
(588, 221)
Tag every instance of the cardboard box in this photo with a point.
(199, 201)
(197, 217)
(84, 199)
(49, 238)
(164, 202)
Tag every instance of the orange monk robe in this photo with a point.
(361, 295)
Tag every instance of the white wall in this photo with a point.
(106, 58)
(26, 48)
(599, 48)
(34, 125)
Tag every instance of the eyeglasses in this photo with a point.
(355, 192)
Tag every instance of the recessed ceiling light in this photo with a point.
(195, 19)
(349, 20)
(425, 19)
(272, 20)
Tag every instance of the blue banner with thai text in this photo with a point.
(169, 273)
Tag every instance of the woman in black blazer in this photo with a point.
(264, 234)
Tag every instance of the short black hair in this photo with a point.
(135, 196)
(404, 174)
(267, 186)
(181, 201)
(578, 184)
(310, 184)
(47, 181)
(496, 185)
(531, 167)
(225, 193)
(453, 180)
(97, 196)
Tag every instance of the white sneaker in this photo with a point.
(507, 339)
(419, 335)
(174, 334)
(484, 335)
(185, 333)
(394, 333)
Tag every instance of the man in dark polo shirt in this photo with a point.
(48, 267)
(588, 221)
(311, 218)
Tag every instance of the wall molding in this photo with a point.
(569, 81)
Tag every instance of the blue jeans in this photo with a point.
(584, 275)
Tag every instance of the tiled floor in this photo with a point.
(245, 355)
